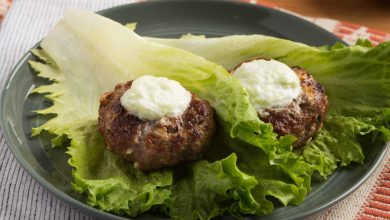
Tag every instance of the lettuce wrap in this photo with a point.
(356, 80)
(247, 166)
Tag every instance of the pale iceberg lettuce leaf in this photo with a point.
(76, 46)
(83, 60)
(241, 47)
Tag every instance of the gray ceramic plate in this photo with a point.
(168, 19)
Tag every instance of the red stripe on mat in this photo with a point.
(369, 217)
(350, 25)
(381, 198)
(377, 205)
(386, 183)
(377, 32)
(377, 213)
(267, 4)
(344, 30)
(383, 190)
(377, 39)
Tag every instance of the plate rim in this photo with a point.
(99, 213)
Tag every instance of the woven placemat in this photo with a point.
(21, 197)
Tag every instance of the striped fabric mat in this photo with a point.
(369, 202)
(377, 205)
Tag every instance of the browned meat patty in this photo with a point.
(305, 115)
(154, 144)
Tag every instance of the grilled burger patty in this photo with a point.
(154, 144)
(305, 115)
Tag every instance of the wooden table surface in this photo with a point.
(370, 13)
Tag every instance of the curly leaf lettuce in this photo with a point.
(288, 182)
(356, 79)
(201, 187)
(86, 55)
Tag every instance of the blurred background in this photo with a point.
(347, 19)
(370, 13)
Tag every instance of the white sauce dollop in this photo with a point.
(269, 83)
(155, 97)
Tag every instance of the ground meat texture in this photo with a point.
(154, 144)
(305, 115)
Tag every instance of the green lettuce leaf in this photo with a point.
(337, 144)
(356, 79)
(110, 182)
(86, 55)
(289, 182)
(202, 189)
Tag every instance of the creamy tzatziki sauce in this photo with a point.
(152, 98)
(269, 83)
